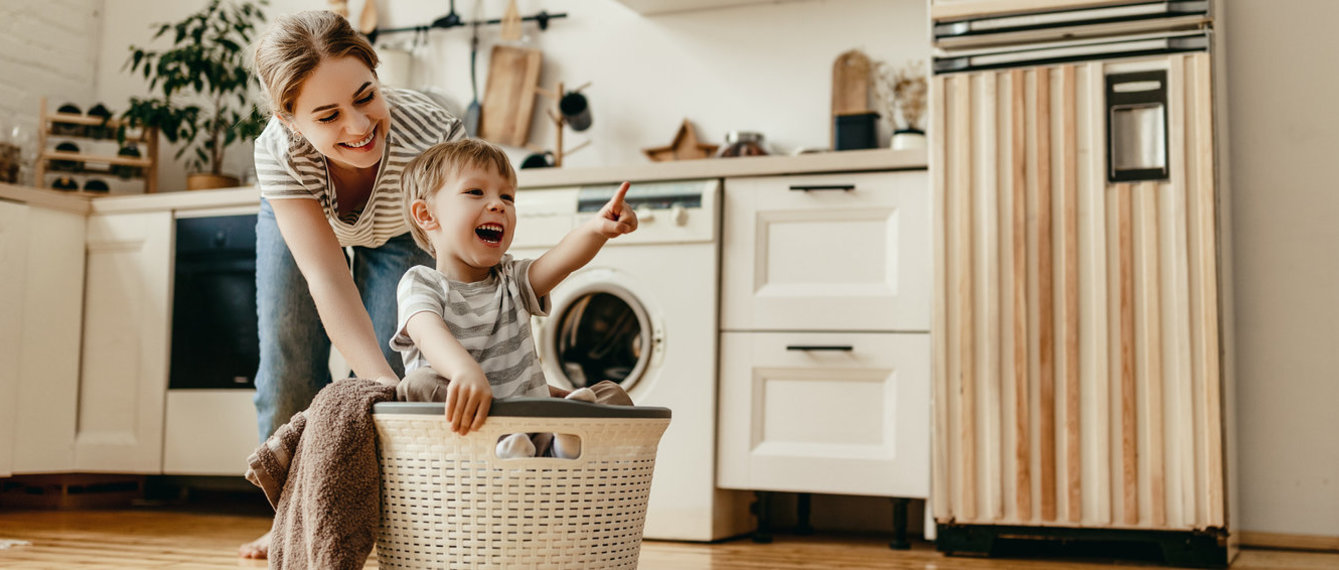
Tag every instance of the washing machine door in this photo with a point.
(598, 331)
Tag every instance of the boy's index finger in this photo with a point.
(621, 193)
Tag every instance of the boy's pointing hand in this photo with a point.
(617, 217)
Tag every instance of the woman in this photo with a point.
(328, 166)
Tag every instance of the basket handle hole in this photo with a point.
(545, 445)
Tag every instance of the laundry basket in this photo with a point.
(448, 501)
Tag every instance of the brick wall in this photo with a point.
(47, 48)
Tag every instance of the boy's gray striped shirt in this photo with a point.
(289, 167)
(490, 318)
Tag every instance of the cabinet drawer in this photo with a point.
(841, 413)
(831, 252)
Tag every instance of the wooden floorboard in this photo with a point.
(180, 538)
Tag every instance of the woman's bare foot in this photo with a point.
(258, 548)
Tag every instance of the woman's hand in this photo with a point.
(616, 217)
(468, 398)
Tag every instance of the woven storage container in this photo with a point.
(448, 501)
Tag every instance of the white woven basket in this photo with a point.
(448, 501)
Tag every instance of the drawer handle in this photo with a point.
(842, 187)
(821, 347)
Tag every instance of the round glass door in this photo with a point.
(602, 334)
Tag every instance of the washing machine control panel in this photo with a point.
(670, 211)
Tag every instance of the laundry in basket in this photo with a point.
(448, 501)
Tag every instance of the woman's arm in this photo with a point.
(322, 262)
(580, 245)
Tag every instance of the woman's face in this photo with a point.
(341, 111)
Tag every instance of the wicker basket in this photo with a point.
(448, 501)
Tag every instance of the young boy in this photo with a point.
(464, 327)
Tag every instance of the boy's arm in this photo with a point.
(468, 396)
(580, 245)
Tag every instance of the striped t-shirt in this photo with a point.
(490, 318)
(290, 167)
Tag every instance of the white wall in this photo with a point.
(46, 49)
(1284, 138)
(765, 67)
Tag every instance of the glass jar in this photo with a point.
(742, 143)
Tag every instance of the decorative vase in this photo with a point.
(210, 181)
(906, 139)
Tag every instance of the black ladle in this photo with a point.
(450, 20)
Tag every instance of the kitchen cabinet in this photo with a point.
(825, 366)
(652, 7)
(125, 344)
(827, 252)
(957, 9)
(41, 291)
(848, 420)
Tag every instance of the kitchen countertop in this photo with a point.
(817, 163)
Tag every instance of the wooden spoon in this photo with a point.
(367, 21)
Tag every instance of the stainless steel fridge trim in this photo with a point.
(1077, 17)
(1095, 31)
(1060, 52)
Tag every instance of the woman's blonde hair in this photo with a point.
(295, 44)
(428, 172)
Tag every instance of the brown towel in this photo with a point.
(321, 474)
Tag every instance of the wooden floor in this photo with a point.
(174, 538)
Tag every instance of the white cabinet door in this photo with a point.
(126, 335)
(959, 9)
(833, 252)
(13, 250)
(48, 365)
(209, 432)
(41, 308)
(841, 413)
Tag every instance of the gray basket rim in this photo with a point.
(531, 408)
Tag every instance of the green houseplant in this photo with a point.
(201, 87)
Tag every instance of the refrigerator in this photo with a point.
(1081, 338)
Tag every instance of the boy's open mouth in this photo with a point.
(491, 233)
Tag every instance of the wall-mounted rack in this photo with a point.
(453, 20)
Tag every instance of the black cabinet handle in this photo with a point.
(842, 187)
(821, 347)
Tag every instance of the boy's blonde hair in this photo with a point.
(295, 44)
(428, 172)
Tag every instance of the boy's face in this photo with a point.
(470, 222)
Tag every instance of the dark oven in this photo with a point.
(214, 338)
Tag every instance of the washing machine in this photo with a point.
(643, 313)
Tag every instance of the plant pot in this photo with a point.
(210, 181)
(905, 139)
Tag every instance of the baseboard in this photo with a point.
(1289, 541)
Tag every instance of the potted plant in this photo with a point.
(902, 93)
(202, 86)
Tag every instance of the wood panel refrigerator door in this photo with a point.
(1076, 337)
(832, 252)
(126, 334)
(841, 413)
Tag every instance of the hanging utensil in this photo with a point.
(367, 21)
(474, 111)
(450, 20)
(511, 23)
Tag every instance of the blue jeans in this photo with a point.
(294, 349)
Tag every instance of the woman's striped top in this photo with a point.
(290, 167)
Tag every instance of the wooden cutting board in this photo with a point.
(509, 95)
(850, 84)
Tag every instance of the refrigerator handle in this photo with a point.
(1137, 126)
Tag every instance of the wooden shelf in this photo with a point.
(147, 136)
(116, 160)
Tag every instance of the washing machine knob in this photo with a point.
(678, 215)
(644, 214)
